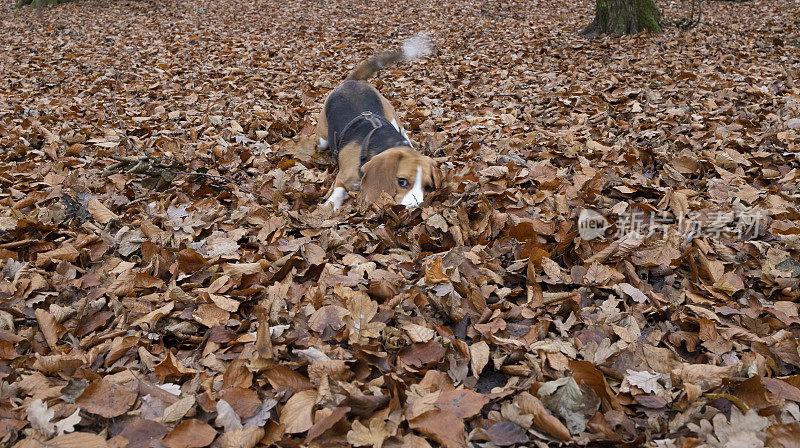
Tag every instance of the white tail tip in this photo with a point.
(418, 45)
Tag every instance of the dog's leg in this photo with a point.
(337, 198)
(322, 129)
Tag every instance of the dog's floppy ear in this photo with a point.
(379, 175)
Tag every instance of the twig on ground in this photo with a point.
(144, 165)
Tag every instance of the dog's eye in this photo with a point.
(428, 188)
(403, 182)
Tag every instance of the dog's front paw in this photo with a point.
(337, 198)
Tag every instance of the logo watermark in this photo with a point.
(740, 225)
(592, 224)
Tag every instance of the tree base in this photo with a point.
(623, 17)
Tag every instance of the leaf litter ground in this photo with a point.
(140, 306)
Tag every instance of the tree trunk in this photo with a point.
(623, 17)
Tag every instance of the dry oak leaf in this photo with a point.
(334, 369)
(704, 375)
(381, 427)
(107, 399)
(415, 441)
(441, 426)
(39, 416)
(741, 431)
(362, 310)
(191, 433)
(644, 380)
(434, 272)
(296, 415)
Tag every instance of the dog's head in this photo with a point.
(403, 173)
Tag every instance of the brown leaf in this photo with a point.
(365, 405)
(584, 371)
(296, 415)
(506, 434)
(329, 317)
(463, 403)
(752, 392)
(421, 354)
(143, 433)
(782, 389)
(190, 261)
(441, 426)
(211, 315)
(191, 433)
(326, 423)
(434, 272)
(66, 252)
(106, 399)
(783, 436)
(281, 376)
(237, 375)
(171, 367)
(244, 401)
(245, 438)
(49, 327)
(72, 440)
(100, 212)
(542, 419)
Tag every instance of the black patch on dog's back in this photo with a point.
(347, 103)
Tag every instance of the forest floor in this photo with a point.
(142, 306)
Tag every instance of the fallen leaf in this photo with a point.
(190, 433)
(296, 415)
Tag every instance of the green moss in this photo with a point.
(648, 16)
(624, 17)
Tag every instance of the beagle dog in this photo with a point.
(361, 129)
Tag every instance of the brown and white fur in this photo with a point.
(374, 153)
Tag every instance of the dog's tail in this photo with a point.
(414, 47)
